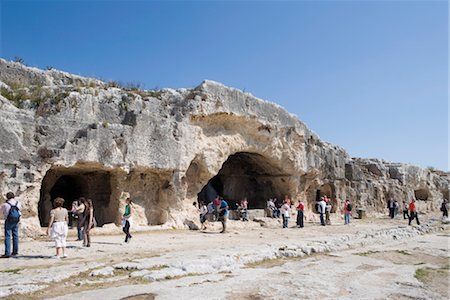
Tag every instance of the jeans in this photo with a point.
(322, 221)
(126, 230)
(347, 218)
(276, 213)
(391, 212)
(285, 221)
(300, 218)
(80, 232)
(11, 229)
(244, 215)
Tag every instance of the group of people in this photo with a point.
(58, 227)
(409, 210)
(83, 213)
(217, 210)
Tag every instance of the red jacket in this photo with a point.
(301, 206)
(412, 207)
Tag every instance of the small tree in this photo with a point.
(19, 60)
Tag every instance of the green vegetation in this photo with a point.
(181, 276)
(422, 273)
(12, 271)
(403, 252)
(158, 267)
(367, 253)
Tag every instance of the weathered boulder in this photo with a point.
(65, 135)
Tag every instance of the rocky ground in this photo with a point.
(369, 259)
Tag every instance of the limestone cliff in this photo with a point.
(72, 136)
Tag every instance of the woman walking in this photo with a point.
(58, 226)
(126, 220)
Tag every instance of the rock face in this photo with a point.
(65, 135)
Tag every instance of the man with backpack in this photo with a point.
(347, 211)
(10, 210)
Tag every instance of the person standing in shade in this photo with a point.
(327, 210)
(88, 222)
(57, 227)
(300, 214)
(396, 208)
(413, 212)
(444, 208)
(243, 208)
(322, 209)
(126, 220)
(203, 211)
(10, 211)
(222, 212)
(391, 209)
(405, 211)
(79, 211)
(285, 209)
(347, 211)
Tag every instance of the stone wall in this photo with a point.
(163, 147)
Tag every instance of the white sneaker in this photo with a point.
(64, 255)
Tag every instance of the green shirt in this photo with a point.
(127, 210)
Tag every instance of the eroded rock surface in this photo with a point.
(72, 136)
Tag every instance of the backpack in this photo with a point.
(349, 207)
(14, 214)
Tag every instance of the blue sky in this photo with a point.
(370, 76)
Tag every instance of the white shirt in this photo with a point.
(203, 210)
(285, 210)
(322, 206)
(6, 207)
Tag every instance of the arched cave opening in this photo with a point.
(247, 175)
(314, 193)
(72, 183)
(421, 194)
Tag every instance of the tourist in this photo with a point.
(81, 207)
(327, 210)
(287, 200)
(300, 214)
(222, 211)
(391, 208)
(203, 211)
(88, 222)
(405, 211)
(396, 208)
(216, 203)
(270, 206)
(413, 212)
(73, 214)
(10, 211)
(285, 210)
(57, 227)
(277, 211)
(243, 209)
(126, 220)
(444, 208)
(347, 211)
(322, 209)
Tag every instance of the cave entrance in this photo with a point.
(72, 183)
(421, 194)
(315, 192)
(247, 175)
